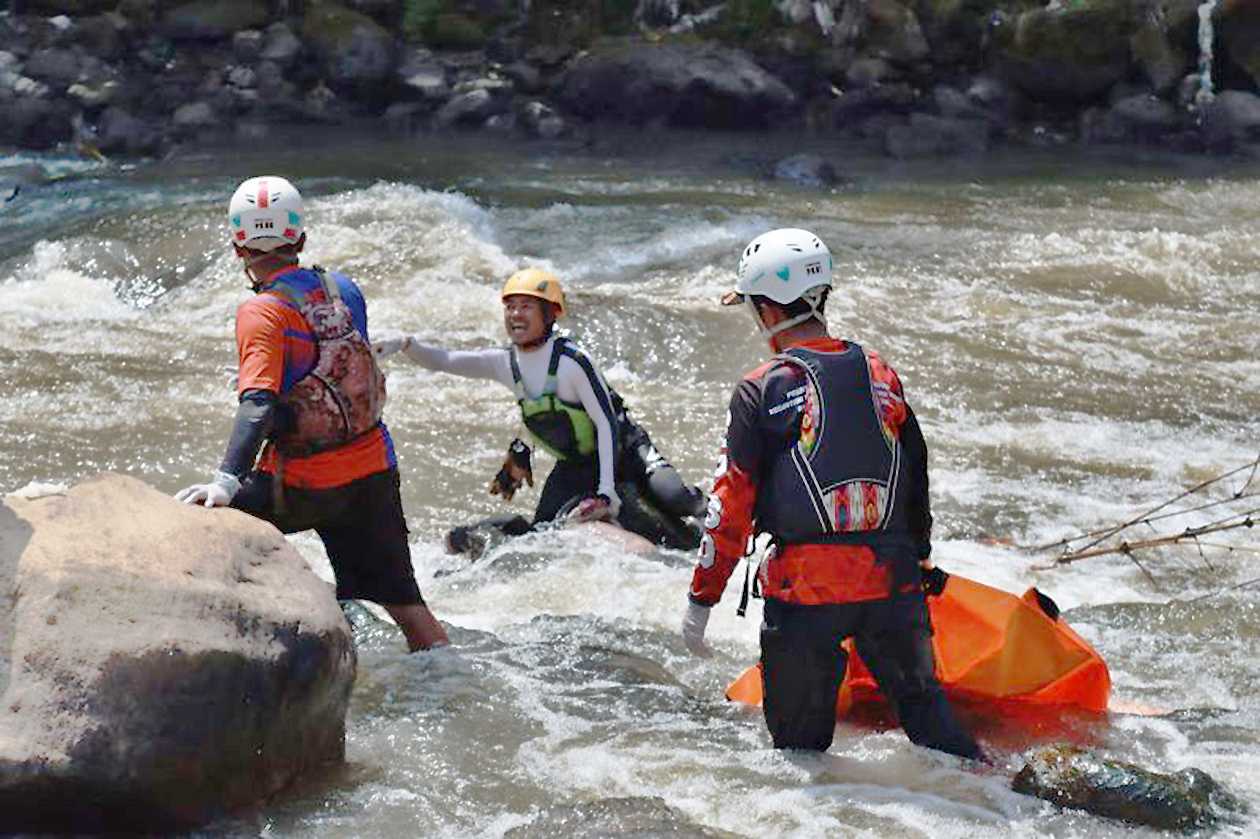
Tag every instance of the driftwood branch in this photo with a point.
(1128, 548)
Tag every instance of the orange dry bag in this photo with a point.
(990, 646)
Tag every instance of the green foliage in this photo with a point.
(419, 16)
(747, 20)
(455, 32)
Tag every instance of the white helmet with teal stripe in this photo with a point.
(784, 265)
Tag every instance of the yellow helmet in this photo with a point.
(536, 282)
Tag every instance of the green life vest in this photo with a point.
(563, 429)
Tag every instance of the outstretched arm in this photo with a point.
(473, 364)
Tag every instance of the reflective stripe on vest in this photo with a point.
(564, 429)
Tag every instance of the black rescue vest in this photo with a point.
(840, 482)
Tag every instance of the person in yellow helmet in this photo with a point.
(569, 409)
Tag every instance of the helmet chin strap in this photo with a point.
(768, 332)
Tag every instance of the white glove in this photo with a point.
(218, 493)
(693, 626)
(390, 346)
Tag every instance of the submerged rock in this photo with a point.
(159, 663)
(1073, 777)
(806, 170)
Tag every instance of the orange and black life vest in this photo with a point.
(841, 481)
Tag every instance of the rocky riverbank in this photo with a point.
(911, 78)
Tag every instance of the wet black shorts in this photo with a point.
(362, 527)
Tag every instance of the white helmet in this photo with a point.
(783, 265)
(265, 214)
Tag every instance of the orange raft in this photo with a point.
(991, 647)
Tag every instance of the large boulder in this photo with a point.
(159, 663)
(213, 20)
(358, 54)
(959, 31)
(1070, 53)
(1165, 45)
(1238, 28)
(1231, 118)
(36, 123)
(680, 83)
(894, 32)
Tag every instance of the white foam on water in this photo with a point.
(47, 288)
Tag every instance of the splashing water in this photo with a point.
(1206, 34)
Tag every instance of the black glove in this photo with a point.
(934, 582)
(515, 471)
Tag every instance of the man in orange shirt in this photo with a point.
(311, 393)
(823, 453)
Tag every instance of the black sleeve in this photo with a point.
(255, 417)
(744, 444)
(919, 506)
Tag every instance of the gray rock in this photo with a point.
(429, 83)
(678, 83)
(1069, 776)
(57, 67)
(281, 45)
(990, 93)
(194, 115)
(541, 120)
(868, 72)
(27, 88)
(1233, 117)
(853, 107)
(952, 102)
(35, 123)
(423, 76)
(320, 103)
(242, 77)
(101, 35)
(367, 59)
(497, 86)
(1148, 115)
(247, 45)
(402, 117)
(1068, 54)
(213, 20)
(504, 123)
(1188, 91)
(357, 53)
(931, 136)
(807, 170)
(1161, 46)
(894, 32)
(93, 96)
(474, 107)
(119, 131)
(188, 665)
(1238, 31)
(525, 77)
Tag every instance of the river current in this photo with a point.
(1078, 336)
